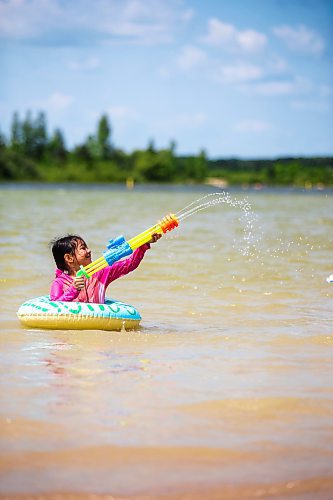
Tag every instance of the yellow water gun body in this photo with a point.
(119, 247)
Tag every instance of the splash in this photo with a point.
(258, 247)
(248, 216)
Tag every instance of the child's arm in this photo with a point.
(123, 267)
(58, 292)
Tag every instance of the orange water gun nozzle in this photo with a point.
(168, 223)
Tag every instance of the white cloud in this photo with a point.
(191, 120)
(300, 39)
(312, 105)
(219, 33)
(225, 35)
(250, 40)
(182, 121)
(318, 98)
(271, 88)
(20, 19)
(89, 64)
(190, 57)
(238, 73)
(121, 112)
(274, 87)
(187, 15)
(56, 102)
(277, 65)
(58, 22)
(253, 126)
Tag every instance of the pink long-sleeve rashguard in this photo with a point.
(95, 287)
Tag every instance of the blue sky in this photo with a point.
(241, 78)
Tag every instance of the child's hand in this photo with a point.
(78, 282)
(155, 237)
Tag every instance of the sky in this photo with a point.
(237, 78)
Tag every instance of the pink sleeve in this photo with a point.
(125, 266)
(58, 293)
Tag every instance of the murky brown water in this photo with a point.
(225, 391)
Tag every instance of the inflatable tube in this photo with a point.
(42, 312)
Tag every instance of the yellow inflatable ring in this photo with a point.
(42, 312)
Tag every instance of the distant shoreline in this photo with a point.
(174, 187)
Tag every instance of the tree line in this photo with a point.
(30, 153)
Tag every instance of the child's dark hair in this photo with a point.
(63, 245)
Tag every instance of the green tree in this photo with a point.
(16, 136)
(200, 170)
(173, 147)
(154, 167)
(286, 173)
(195, 167)
(3, 142)
(40, 138)
(56, 147)
(30, 136)
(92, 146)
(82, 154)
(151, 146)
(103, 138)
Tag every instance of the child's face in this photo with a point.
(82, 254)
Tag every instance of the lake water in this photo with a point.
(226, 389)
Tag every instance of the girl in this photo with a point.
(70, 252)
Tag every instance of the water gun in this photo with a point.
(119, 247)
